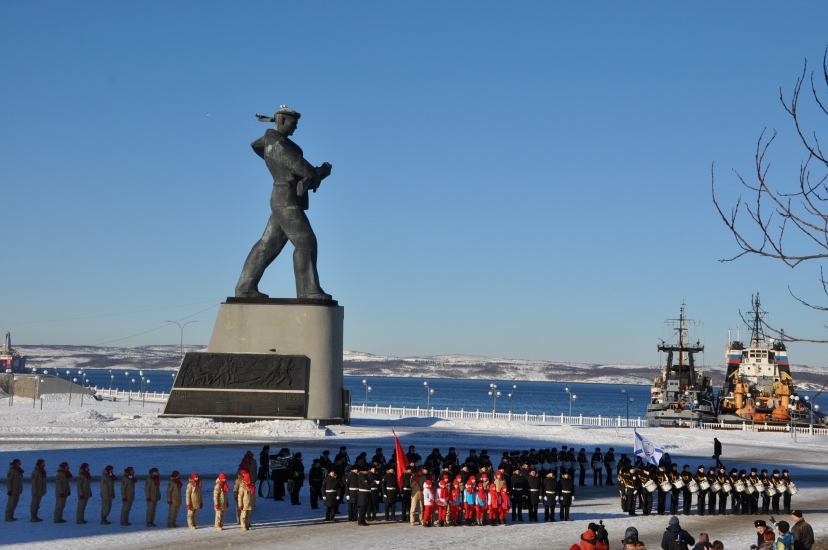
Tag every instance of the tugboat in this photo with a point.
(758, 386)
(682, 396)
(10, 360)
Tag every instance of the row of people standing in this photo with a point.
(244, 494)
(711, 488)
(465, 499)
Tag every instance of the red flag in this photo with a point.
(402, 460)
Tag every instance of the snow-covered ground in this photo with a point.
(123, 435)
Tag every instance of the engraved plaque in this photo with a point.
(248, 386)
(235, 403)
(260, 371)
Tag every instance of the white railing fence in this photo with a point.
(555, 419)
(134, 395)
(566, 420)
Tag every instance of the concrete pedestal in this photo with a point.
(312, 328)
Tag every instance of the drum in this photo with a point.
(651, 486)
(556, 465)
(750, 488)
(704, 485)
(727, 487)
(760, 487)
(740, 487)
(792, 489)
(771, 491)
(597, 466)
(566, 465)
(716, 487)
(612, 465)
(678, 484)
(693, 486)
(666, 486)
(781, 488)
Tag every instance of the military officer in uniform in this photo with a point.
(293, 177)
(330, 489)
(316, 475)
(701, 498)
(84, 485)
(660, 477)
(62, 490)
(14, 486)
(38, 489)
(389, 494)
(107, 493)
(566, 492)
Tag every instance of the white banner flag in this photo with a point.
(645, 448)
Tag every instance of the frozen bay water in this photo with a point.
(123, 435)
(593, 398)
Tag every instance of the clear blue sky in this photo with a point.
(520, 179)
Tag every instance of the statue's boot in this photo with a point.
(246, 288)
(307, 278)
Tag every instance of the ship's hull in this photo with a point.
(673, 418)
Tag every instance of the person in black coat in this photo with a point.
(316, 475)
(405, 501)
(331, 490)
(717, 452)
(379, 458)
(364, 502)
(609, 458)
(566, 492)
(675, 532)
(533, 484)
(389, 494)
(352, 485)
(550, 496)
(264, 468)
(375, 478)
(342, 456)
(516, 486)
(279, 475)
(325, 460)
(296, 471)
(412, 456)
(597, 461)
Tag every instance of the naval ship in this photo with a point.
(10, 359)
(758, 386)
(681, 395)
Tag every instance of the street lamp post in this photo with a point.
(144, 399)
(367, 391)
(511, 399)
(83, 380)
(429, 393)
(494, 394)
(628, 400)
(572, 397)
(9, 372)
(129, 399)
(181, 327)
(793, 409)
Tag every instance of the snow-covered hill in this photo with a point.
(365, 364)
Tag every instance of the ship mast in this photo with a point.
(684, 370)
(757, 337)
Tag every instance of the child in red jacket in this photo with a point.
(505, 505)
(456, 504)
(493, 505)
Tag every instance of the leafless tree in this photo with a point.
(790, 225)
